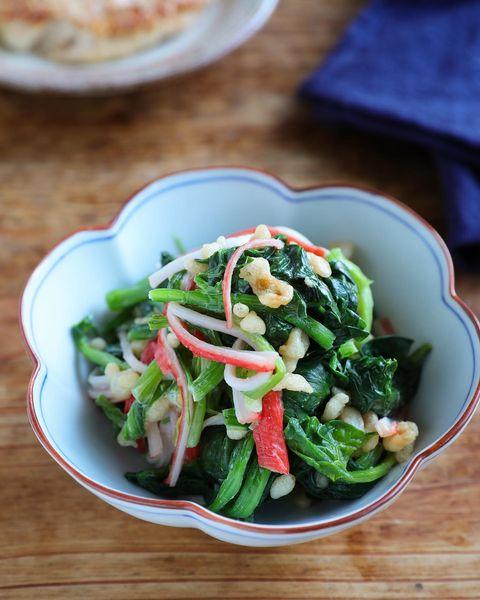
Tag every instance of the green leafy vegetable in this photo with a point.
(165, 258)
(216, 454)
(120, 318)
(347, 349)
(291, 264)
(278, 330)
(328, 447)
(224, 461)
(157, 322)
(313, 483)
(147, 384)
(209, 378)
(335, 312)
(299, 404)
(191, 482)
(372, 473)
(195, 432)
(371, 384)
(82, 334)
(233, 482)
(145, 392)
(134, 427)
(213, 302)
(407, 376)
(388, 346)
(112, 412)
(140, 332)
(235, 429)
(126, 297)
(175, 281)
(364, 304)
(251, 493)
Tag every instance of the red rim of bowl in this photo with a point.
(197, 509)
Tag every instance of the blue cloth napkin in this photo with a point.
(410, 69)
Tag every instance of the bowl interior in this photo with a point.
(394, 248)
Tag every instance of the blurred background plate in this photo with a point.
(222, 27)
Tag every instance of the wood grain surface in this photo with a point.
(69, 163)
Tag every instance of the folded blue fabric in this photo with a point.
(410, 69)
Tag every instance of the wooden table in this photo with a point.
(69, 163)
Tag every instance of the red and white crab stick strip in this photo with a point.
(246, 411)
(292, 236)
(243, 385)
(263, 361)
(232, 263)
(155, 279)
(186, 411)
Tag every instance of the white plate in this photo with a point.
(222, 27)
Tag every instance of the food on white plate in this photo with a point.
(247, 368)
(80, 31)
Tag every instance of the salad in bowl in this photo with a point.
(248, 369)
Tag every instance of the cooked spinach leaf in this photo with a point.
(141, 332)
(251, 493)
(328, 449)
(82, 333)
(342, 286)
(291, 264)
(350, 290)
(148, 388)
(191, 482)
(134, 427)
(364, 304)
(315, 484)
(300, 404)
(388, 346)
(370, 380)
(217, 264)
(165, 258)
(122, 298)
(175, 281)
(217, 450)
(409, 370)
(233, 482)
(278, 330)
(367, 460)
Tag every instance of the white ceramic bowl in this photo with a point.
(223, 26)
(413, 286)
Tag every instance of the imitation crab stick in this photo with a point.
(292, 236)
(232, 263)
(262, 361)
(268, 435)
(167, 359)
